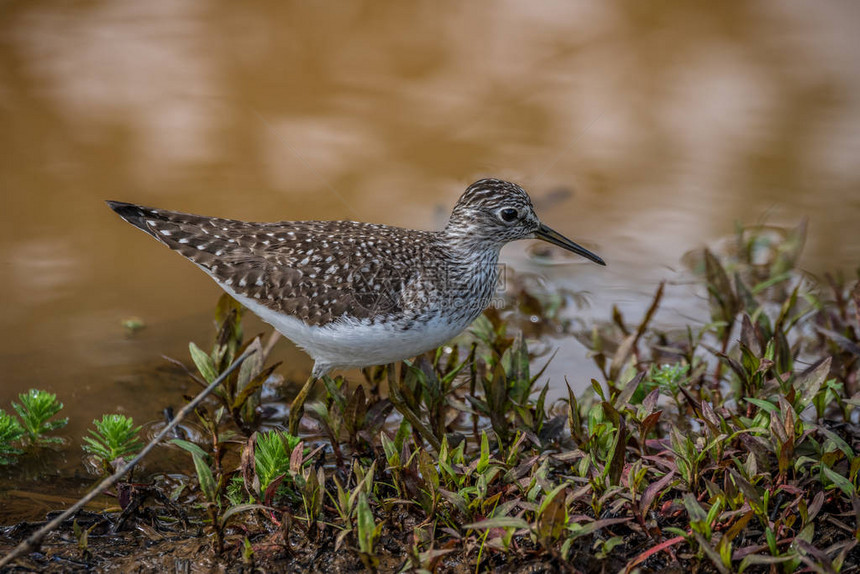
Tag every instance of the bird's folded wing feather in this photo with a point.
(316, 271)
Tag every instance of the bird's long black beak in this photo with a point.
(546, 234)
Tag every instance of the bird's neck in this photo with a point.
(473, 268)
(468, 240)
(469, 250)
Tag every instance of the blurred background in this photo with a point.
(642, 129)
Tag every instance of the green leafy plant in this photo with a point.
(240, 394)
(345, 503)
(367, 532)
(273, 453)
(10, 432)
(507, 384)
(35, 411)
(211, 490)
(349, 417)
(115, 437)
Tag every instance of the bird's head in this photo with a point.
(494, 212)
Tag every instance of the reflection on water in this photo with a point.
(665, 122)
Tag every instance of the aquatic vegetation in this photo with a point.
(10, 432)
(35, 411)
(115, 437)
(273, 453)
(29, 430)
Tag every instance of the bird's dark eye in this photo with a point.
(508, 214)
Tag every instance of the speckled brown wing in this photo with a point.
(316, 271)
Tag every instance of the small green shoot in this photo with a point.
(10, 432)
(272, 457)
(115, 437)
(35, 411)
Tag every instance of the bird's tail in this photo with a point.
(134, 214)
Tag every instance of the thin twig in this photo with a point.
(35, 539)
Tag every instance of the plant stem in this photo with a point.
(298, 406)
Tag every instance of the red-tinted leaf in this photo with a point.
(652, 491)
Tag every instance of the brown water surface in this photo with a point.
(662, 123)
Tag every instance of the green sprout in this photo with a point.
(668, 377)
(272, 456)
(10, 431)
(35, 410)
(115, 437)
